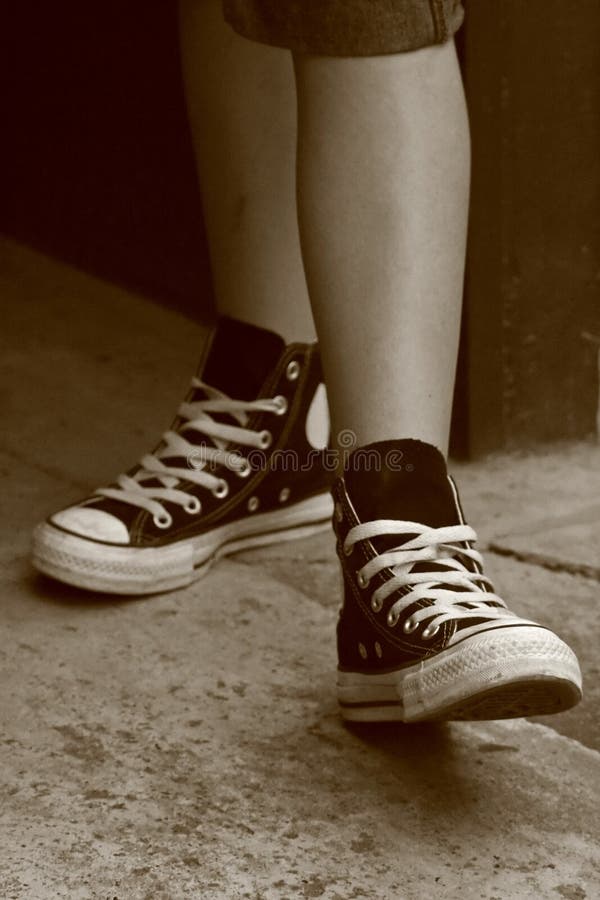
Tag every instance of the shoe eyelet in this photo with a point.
(164, 520)
(376, 604)
(361, 580)
(339, 512)
(282, 405)
(347, 548)
(362, 651)
(253, 504)
(392, 619)
(221, 489)
(293, 370)
(193, 506)
(378, 650)
(409, 626)
(265, 438)
(430, 632)
(284, 494)
(244, 469)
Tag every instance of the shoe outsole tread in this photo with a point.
(508, 673)
(535, 696)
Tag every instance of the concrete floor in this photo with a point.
(188, 745)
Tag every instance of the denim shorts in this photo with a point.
(345, 27)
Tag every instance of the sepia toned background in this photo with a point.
(189, 745)
(100, 173)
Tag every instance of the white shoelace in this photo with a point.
(445, 547)
(196, 417)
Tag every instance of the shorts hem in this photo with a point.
(342, 28)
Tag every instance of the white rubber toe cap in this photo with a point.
(92, 523)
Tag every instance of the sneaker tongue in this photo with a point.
(405, 479)
(240, 358)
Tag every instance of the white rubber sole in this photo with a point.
(127, 570)
(504, 673)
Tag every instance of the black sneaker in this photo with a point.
(242, 465)
(421, 634)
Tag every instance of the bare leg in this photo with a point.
(242, 107)
(383, 174)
